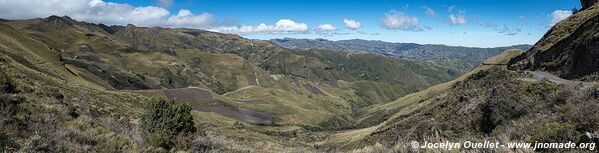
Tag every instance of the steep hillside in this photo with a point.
(151, 58)
(53, 110)
(569, 49)
(461, 59)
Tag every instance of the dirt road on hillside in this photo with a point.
(540, 75)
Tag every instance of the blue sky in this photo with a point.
(481, 23)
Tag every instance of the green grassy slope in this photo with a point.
(41, 97)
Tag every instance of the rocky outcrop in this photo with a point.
(588, 3)
(58, 20)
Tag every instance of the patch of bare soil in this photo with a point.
(189, 94)
(241, 114)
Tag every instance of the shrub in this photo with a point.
(7, 142)
(6, 85)
(167, 116)
(479, 75)
(377, 148)
(72, 111)
(203, 145)
(583, 114)
(35, 143)
(161, 140)
(8, 101)
(553, 132)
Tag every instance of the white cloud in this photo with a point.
(290, 25)
(283, 26)
(325, 28)
(559, 15)
(488, 24)
(187, 19)
(165, 3)
(367, 33)
(457, 20)
(450, 8)
(400, 21)
(352, 24)
(430, 12)
(521, 18)
(98, 11)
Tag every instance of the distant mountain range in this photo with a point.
(459, 58)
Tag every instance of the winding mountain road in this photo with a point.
(540, 75)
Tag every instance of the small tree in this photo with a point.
(167, 116)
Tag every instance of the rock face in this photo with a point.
(570, 49)
(588, 3)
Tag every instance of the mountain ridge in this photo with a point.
(458, 58)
